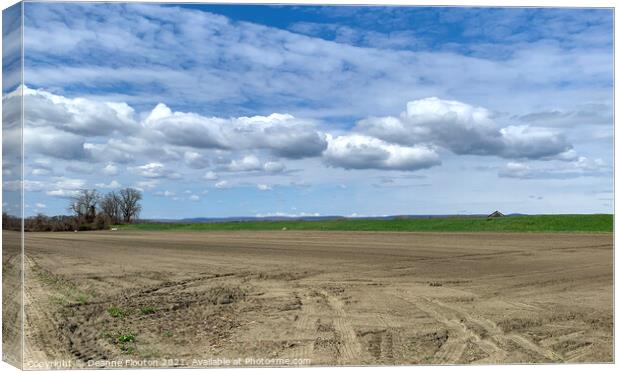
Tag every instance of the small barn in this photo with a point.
(495, 214)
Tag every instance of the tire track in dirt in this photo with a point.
(76, 324)
(351, 349)
(499, 337)
(389, 338)
(458, 335)
(182, 284)
(70, 334)
(463, 329)
(450, 352)
(41, 344)
(303, 326)
(480, 328)
(577, 354)
(528, 345)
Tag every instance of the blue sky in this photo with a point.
(302, 110)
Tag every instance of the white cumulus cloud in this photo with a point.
(155, 170)
(195, 160)
(77, 115)
(110, 169)
(253, 163)
(465, 130)
(222, 184)
(282, 134)
(365, 152)
(247, 163)
(210, 175)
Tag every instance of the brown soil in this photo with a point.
(327, 298)
(12, 298)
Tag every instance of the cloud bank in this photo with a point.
(89, 130)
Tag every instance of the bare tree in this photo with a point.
(84, 205)
(130, 204)
(111, 206)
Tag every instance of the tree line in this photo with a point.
(90, 210)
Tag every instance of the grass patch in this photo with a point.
(527, 223)
(116, 312)
(82, 298)
(148, 310)
(64, 291)
(125, 338)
